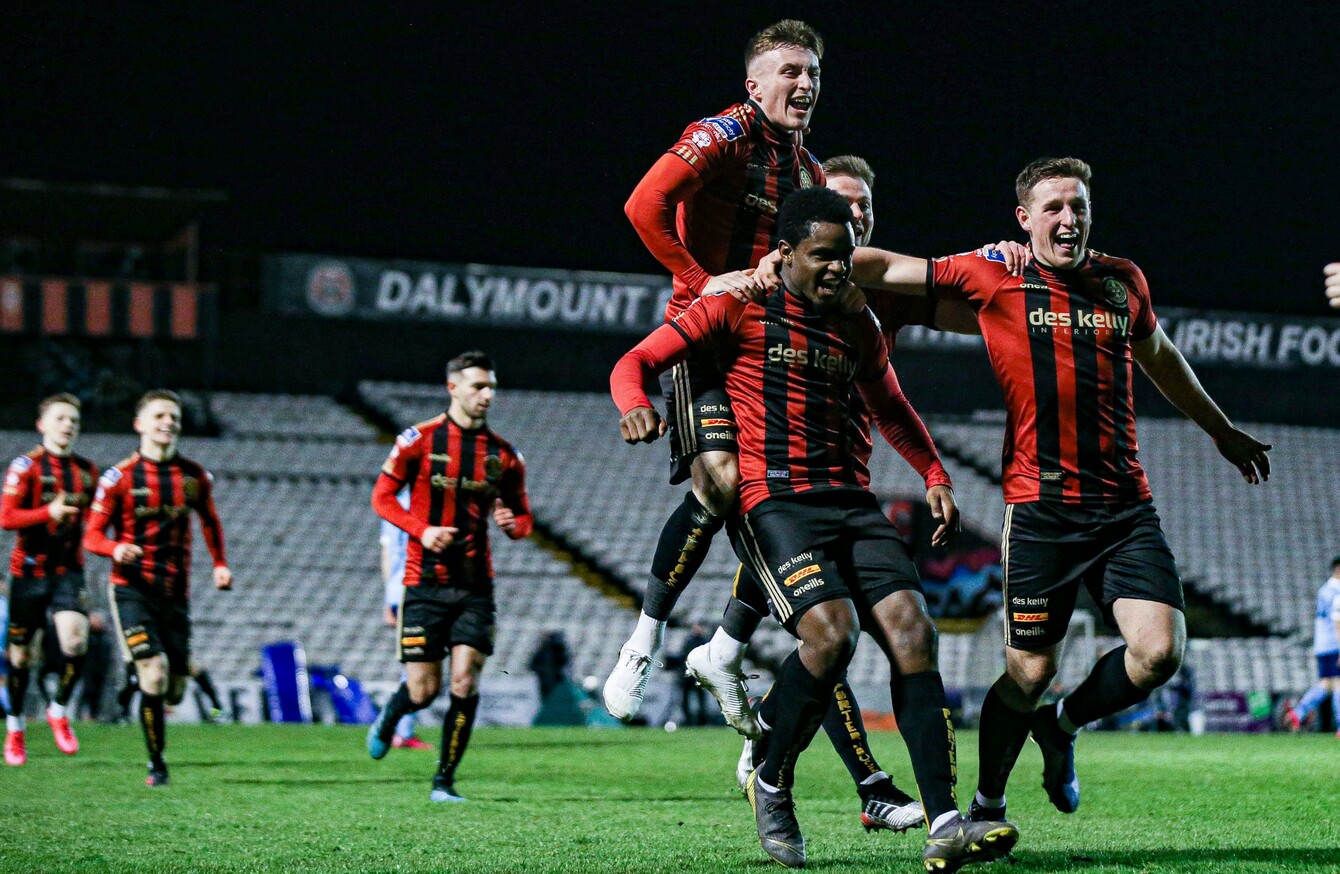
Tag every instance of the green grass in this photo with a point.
(308, 799)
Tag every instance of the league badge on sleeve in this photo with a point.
(407, 437)
(992, 255)
(725, 127)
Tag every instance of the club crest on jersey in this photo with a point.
(1115, 291)
(492, 468)
(407, 436)
(190, 488)
(724, 127)
(805, 179)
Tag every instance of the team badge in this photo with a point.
(1115, 291)
(86, 479)
(190, 489)
(805, 180)
(492, 468)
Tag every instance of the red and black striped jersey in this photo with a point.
(45, 548)
(148, 504)
(745, 167)
(790, 373)
(455, 477)
(1060, 344)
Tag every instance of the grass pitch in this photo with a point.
(289, 798)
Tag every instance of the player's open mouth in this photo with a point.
(1068, 241)
(800, 104)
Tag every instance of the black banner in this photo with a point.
(465, 294)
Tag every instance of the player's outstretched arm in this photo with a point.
(1332, 273)
(1163, 363)
(898, 421)
(212, 527)
(659, 351)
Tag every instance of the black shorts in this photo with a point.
(433, 619)
(1050, 549)
(698, 414)
(31, 597)
(149, 625)
(820, 546)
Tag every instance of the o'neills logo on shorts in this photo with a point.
(801, 574)
(1031, 617)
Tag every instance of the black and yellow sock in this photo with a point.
(456, 727)
(17, 686)
(798, 702)
(397, 707)
(680, 551)
(923, 720)
(1108, 689)
(1002, 735)
(155, 727)
(207, 686)
(70, 673)
(846, 731)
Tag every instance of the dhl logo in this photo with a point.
(807, 571)
(137, 639)
(715, 423)
(413, 641)
(1031, 617)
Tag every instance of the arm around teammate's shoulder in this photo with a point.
(1164, 364)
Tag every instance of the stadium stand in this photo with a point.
(294, 475)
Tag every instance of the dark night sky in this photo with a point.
(511, 138)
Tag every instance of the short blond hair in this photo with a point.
(789, 33)
(62, 398)
(851, 166)
(1050, 168)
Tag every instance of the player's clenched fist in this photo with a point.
(641, 425)
(1332, 272)
(437, 538)
(223, 578)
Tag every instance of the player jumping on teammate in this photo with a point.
(830, 560)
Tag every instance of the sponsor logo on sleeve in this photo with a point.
(992, 255)
(110, 478)
(407, 437)
(20, 464)
(725, 128)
